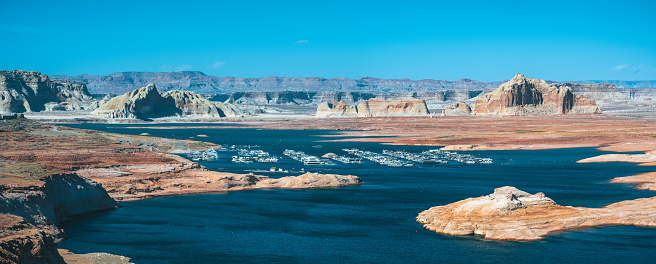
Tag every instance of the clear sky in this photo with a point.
(481, 40)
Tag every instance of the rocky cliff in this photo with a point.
(30, 91)
(373, 107)
(193, 104)
(526, 96)
(54, 199)
(195, 81)
(21, 242)
(143, 103)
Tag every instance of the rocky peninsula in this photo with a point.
(511, 214)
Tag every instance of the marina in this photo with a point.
(391, 158)
(306, 159)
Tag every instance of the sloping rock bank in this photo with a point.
(511, 214)
(373, 107)
(526, 96)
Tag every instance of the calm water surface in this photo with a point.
(369, 223)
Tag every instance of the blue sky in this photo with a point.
(481, 40)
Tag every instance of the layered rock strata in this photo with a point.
(511, 214)
(193, 104)
(21, 242)
(146, 103)
(31, 91)
(526, 96)
(458, 109)
(201, 83)
(374, 107)
(143, 103)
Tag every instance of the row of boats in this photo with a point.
(392, 158)
(253, 155)
(379, 158)
(305, 158)
(397, 158)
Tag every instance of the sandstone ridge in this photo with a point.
(373, 107)
(526, 96)
(511, 214)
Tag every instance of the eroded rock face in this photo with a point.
(193, 104)
(526, 96)
(21, 242)
(30, 91)
(374, 107)
(55, 199)
(458, 109)
(511, 214)
(336, 109)
(143, 103)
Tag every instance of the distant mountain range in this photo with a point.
(199, 82)
(195, 81)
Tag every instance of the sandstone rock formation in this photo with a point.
(193, 104)
(511, 214)
(143, 103)
(526, 96)
(336, 109)
(458, 109)
(374, 107)
(21, 242)
(30, 91)
(146, 103)
(54, 199)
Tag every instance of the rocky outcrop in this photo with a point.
(310, 180)
(511, 214)
(458, 109)
(379, 107)
(336, 109)
(143, 103)
(31, 91)
(21, 242)
(146, 103)
(55, 199)
(199, 82)
(373, 107)
(193, 104)
(526, 96)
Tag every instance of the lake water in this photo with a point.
(369, 223)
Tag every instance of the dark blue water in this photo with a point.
(370, 223)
